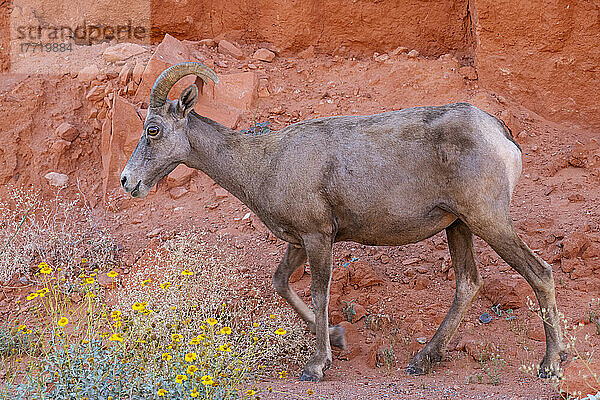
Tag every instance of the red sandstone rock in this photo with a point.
(363, 274)
(67, 132)
(178, 192)
(509, 293)
(180, 176)
(353, 339)
(264, 55)
(228, 48)
(169, 52)
(119, 138)
(575, 244)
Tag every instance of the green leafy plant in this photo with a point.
(348, 310)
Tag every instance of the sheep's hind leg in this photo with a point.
(293, 259)
(468, 281)
(500, 234)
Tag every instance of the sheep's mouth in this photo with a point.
(136, 190)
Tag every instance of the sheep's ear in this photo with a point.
(187, 100)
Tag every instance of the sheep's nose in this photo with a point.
(123, 180)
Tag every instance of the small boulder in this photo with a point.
(88, 73)
(180, 176)
(125, 73)
(138, 71)
(56, 179)
(359, 312)
(122, 51)
(509, 293)
(230, 49)
(399, 50)
(67, 132)
(221, 193)
(207, 42)
(264, 55)
(353, 338)
(468, 72)
(421, 282)
(178, 192)
(413, 54)
(96, 93)
(363, 274)
(575, 244)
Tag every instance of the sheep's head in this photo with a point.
(164, 143)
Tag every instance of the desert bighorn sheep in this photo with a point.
(386, 179)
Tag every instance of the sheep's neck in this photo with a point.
(234, 160)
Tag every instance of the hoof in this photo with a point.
(550, 369)
(337, 337)
(309, 378)
(423, 362)
(415, 371)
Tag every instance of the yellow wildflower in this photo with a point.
(84, 260)
(310, 392)
(256, 324)
(181, 378)
(165, 285)
(146, 282)
(272, 316)
(115, 314)
(250, 392)
(194, 393)
(283, 374)
(225, 347)
(226, 330)
(138, 306)
(161, 392)
(63, 321)
(189, 357)
(187, 272)
(42, 292)
(280, 332)
(32, 296)
(207, 380)
(89, 280)
(195, 341)
(191, 369)
(45, 268)
(116, 337)
(112, 274)
(166, 356)
(176, 337)
(211, 321)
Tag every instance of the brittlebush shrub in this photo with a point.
(186, 333)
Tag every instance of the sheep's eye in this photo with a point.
(152, 130)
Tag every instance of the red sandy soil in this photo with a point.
(556, 209)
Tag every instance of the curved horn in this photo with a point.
(171, 75)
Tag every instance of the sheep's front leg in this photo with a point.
(318, 249)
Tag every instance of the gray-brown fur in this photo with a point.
(385, 179)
